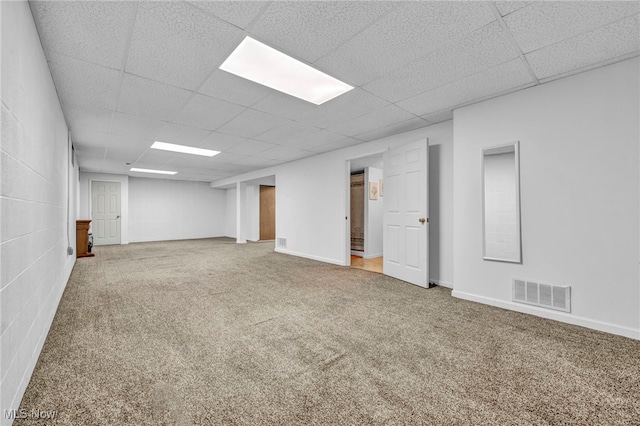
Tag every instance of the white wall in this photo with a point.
(163, 209)
(251, 216)
(85, 199)
(373, 232)
(35, 176)
(311, 199)
(579, 165)
(230, 212)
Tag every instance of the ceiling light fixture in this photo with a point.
(265, 65)
(184, 149)
(160, 172)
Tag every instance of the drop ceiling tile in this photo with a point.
(255, 161)
(286, 153)
(251, 147)
(546, 23)
(404, 35)
(283, 105)
(176, 44)
(490, 82)
(343, 142)
(394, 129)
(191, 162)
(309, 30)
(316, 140)
(158, 157)
(224, 159)
(234, 89)
(484, 48)
(83, 120)
(238, 13)
(124, 155)
(90, 152)
(84, 84)
(207, 113)
(439, 117)
(134, 126)
(345, 107)
(220, 142)
(181, 135)
(147, 98)
(507, 7)
(603, 44)
(117, 142)
(374, 120)
(91, 31)
(287, 134)
(250, 123)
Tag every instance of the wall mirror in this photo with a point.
(501, 203)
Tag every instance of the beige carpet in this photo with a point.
(209, 332)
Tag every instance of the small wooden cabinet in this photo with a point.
(82, 238)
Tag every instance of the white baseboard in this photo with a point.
(357, 253)
(310, 256)
(371, 256)
(443, 283)
(557, 316)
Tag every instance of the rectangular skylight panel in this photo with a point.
(184, 149)
(160, 172)
(265, 65)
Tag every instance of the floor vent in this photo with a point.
(281, 242)
(544, 295)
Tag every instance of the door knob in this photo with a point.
(422, 220)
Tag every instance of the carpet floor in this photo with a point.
(208, 332)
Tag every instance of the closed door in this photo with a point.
(105, 212)
(267, 212)
(405, 218)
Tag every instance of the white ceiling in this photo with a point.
(128, 73)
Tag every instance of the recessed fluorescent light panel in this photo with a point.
(160, 172)
(265, 65)
(184, 149)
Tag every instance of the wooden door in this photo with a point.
(267, 212)
(406, 226)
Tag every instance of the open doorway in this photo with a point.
(366, 200)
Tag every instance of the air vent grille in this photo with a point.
(281, 242)
(544, 295)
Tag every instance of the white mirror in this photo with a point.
(501, 203)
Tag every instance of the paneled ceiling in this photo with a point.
(129, 73)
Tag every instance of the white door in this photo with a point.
(405, 219)
(105, 212)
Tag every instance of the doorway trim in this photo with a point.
(347, 203)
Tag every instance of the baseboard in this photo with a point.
(557, 316)
(309, 256)
(371, 256)
(442, 283)
(357, 253)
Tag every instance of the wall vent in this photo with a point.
(544, 295)
(281, 242)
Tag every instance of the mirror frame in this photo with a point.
(496, 150)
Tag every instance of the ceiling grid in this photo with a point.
(130, 73)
